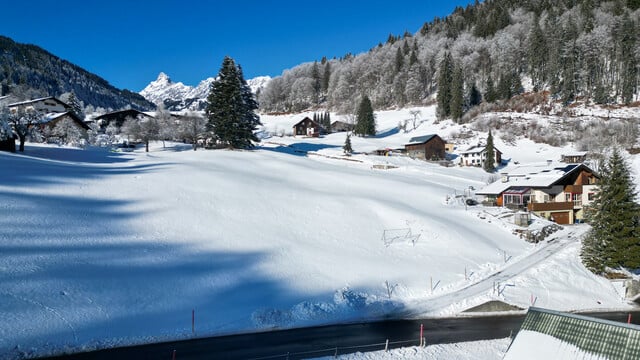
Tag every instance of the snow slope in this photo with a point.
(101, 248)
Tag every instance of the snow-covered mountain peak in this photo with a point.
(163, 78)
(177, 96)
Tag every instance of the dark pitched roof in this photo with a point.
(41, 99)
(421, 139)
(306, 118)
(121, 114)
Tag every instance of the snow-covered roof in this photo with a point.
(477, 149)
(421, 139)
(570, 336)
(536, 175)
(38, 100)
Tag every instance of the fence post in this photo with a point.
(421, 335)
(629, 319)
(193, 321)
(386, 346)
(173, 356)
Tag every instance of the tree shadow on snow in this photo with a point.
(299, 149)
(75, 275)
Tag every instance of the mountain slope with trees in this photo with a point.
(28, 71)
(584, 49)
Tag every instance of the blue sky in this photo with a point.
(129, 42)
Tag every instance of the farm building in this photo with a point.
(428, 147)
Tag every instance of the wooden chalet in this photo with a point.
(119, 117)
(44, 105)
(556, 192)
(340, 126)
(428, 147)
(52, 119)
(307, 127)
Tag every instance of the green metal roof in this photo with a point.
(610, 339)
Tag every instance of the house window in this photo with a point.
(567, 197)
(512, 199)
(577, 200)
(591, 196)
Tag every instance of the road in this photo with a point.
(329, 340)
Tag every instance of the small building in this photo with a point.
(449, 147)
(340, 126)
(574, 157)
(428, 147)
(307, 127)
(42, 105)
(547, 334)
(476, 156)
(119, 117)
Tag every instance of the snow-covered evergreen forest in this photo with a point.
(574, 49)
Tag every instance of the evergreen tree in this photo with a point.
(347, 145)
(327, 122)
(444, 87)
(326, 77)
(365, 120)
(614, 238)
(490, 93)
(475, 98)
(317, 82)
(628, 59)
(537, 55)
(75, 104)
(490, 161)
(399, 60)
(457, 94)
(230, 108)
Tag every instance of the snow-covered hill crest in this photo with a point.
(178, 96)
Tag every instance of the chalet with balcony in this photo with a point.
(428, 147)
(558, 192)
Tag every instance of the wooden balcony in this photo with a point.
(575, 189)
(550, 206)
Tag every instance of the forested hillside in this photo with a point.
(29, 71)
(575, 49)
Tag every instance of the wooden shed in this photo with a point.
(307, 127)
(428, 147)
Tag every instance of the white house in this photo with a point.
(476, 156)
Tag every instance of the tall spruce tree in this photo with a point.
(614, 239)
(457, 94)
(444, 86)
(365, 120)
(231, 108)
(490, 161)
(490, 93)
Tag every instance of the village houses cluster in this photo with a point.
(558, 190)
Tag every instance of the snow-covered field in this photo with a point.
(101, 248)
